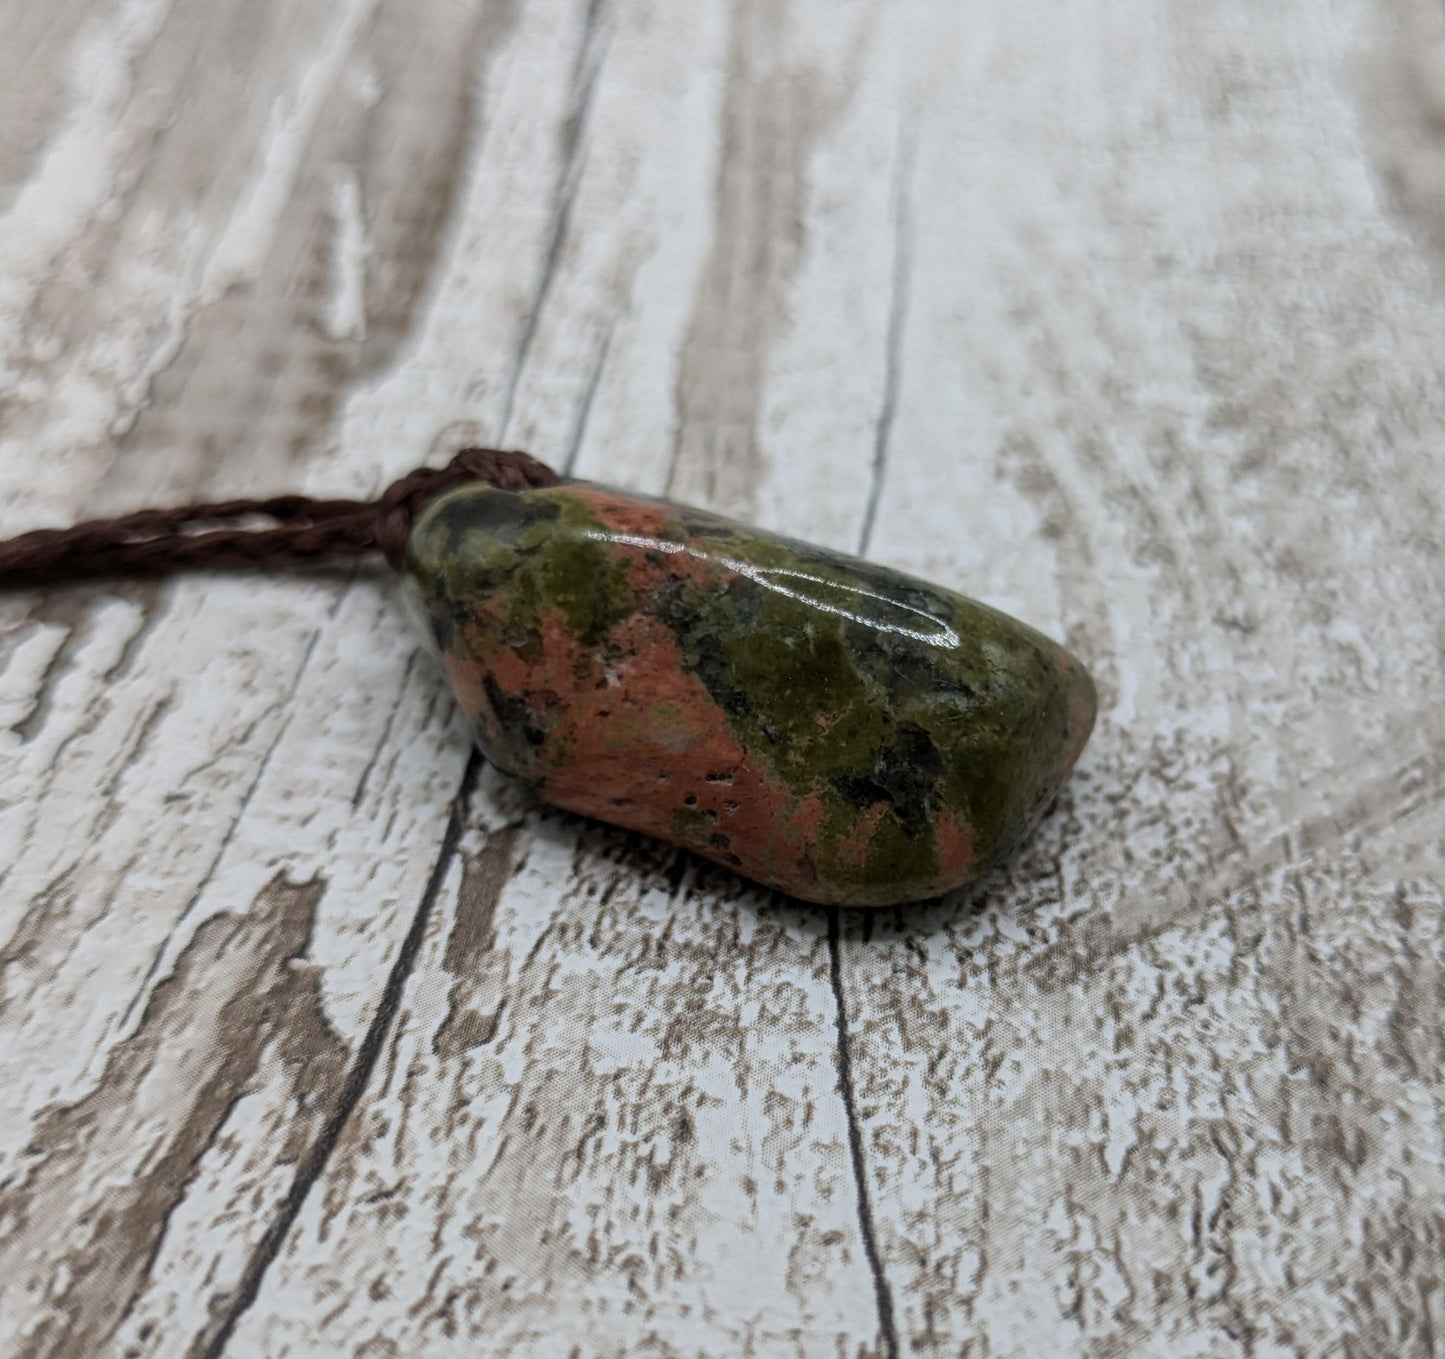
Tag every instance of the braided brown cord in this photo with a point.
(294, 530)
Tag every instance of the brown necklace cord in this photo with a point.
(301, 531)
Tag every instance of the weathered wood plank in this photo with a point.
(1124, 317)
(644, 1143)
(198, 1226)
(182, 995)
(1165, 1085)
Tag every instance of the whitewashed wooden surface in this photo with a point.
(1127, 316)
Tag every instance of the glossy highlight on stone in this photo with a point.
(833, 729)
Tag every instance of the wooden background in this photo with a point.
(1126, 316)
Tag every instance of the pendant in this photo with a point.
(841, 732)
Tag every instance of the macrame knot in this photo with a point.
(402, 501)
(292, 530)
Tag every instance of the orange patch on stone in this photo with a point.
(1082, 710)
(635, 739)
(954, 838)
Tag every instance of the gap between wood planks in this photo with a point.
(314, 1163)
(311, 1166)
(882, 1295)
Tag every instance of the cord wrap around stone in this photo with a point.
(402, 501)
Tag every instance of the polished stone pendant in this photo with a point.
(833, 729)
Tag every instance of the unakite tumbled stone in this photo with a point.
(839, 731)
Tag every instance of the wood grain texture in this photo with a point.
(317, 1038)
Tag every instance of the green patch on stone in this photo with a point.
(538, 551)
(693, 827)
(892, 855)
(786, 676)
(824, 666)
